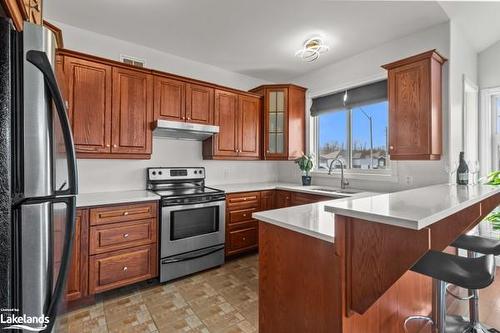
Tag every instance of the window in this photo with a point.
(358, 136)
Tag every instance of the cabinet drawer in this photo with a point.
(243, 200)
(243, 239)
(123, 213)
(105, 238)
(120, 268)
(241, 215)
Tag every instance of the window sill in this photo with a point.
(373, 176)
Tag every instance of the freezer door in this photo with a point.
(49, 163)
(46, 233)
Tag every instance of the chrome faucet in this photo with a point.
(343, 182)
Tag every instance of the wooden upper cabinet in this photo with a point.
(181, 101)
(199, 104)
(284, 121)
(239, 120)
(249, 114)
(88, 89)
(226, 107)
(414, 94)
(132, 111)
(169, 99)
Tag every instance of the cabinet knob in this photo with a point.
(107, 146)
(244, 238)
(183, 118)
(267, 151)
(125, 235)
(125, 268)
(391, 147)
(244, 215)
(125, 213)
(114, 146)
(189, 118)
(244, 199)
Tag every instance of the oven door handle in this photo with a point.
(193, 255)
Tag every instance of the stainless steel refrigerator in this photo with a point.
(38, 181)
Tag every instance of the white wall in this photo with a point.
(363, 68)
(489, 67)
(116, 175)
(463, 62)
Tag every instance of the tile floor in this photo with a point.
(222, 300)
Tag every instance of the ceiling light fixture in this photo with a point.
(312, 49)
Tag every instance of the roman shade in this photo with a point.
(356, 97)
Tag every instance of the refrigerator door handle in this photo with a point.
(39, 60)
(60, 285)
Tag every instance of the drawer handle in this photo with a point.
(244, 238)
(125, 235)
(245, 215)
(125, 268)
(244, 199)
(125, 213)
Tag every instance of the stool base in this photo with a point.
(462, 324)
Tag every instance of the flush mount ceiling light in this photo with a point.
(312, 49)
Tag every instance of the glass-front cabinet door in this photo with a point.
(276, 123)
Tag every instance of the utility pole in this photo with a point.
(371, 136)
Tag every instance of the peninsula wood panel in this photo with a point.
(374, 261)
(199, 104)
(88, 87)
(132, 112)
(169, 99)
(298, 283)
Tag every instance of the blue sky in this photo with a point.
(332, 127)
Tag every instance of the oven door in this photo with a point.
(191, 227)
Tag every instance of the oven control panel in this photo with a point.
(175, 173)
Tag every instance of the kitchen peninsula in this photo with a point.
(348, 271)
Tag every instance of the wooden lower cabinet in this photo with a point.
(77, 282)
(119, 268)
(283, 199)
(242, 231)
(113, 246)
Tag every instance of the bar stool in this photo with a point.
(469, 273)
(474, 245)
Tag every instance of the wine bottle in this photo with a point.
(462, 171)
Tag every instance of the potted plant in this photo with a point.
(305, 163)
(494, 217)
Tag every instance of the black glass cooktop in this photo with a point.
(186, 191)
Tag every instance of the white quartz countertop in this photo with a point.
(313, 189)
(413, 209)
(110, 198)
(310, 219)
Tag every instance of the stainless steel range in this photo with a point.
(192, 231)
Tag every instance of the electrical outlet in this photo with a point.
(409, 180)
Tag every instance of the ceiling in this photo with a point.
(257, 38)
(479, 21)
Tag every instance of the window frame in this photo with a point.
(389, 174)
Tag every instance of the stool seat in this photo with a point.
(469, 273)
(478, 244)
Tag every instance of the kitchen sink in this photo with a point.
(333, 190)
